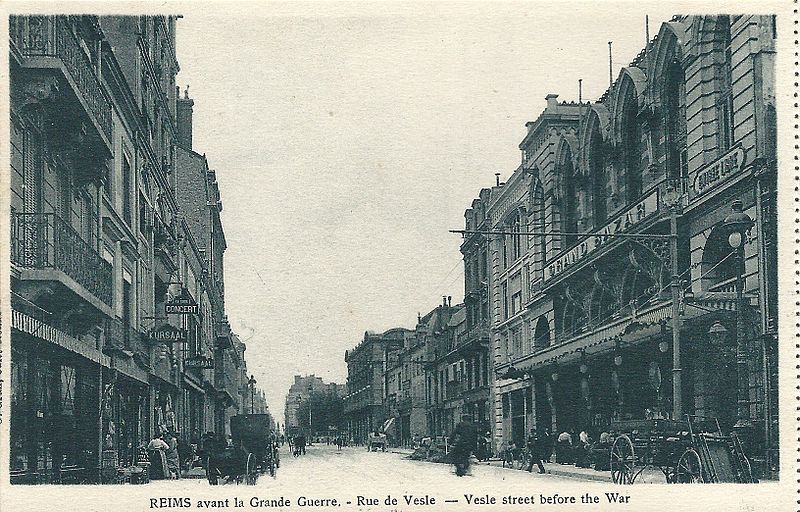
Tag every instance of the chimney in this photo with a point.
(444, 300)
(497, 179)
(183, 119)
(552, 100)
(449, 300)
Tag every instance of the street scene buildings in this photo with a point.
(622, 277)
(626, 270)
(118, 325)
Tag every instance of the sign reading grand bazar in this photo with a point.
(620, 284)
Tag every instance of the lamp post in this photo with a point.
(737, 224)
(674, 202)
(252, 384)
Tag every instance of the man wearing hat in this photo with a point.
(465, 439)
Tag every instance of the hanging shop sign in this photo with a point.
(183, 304)
(199, 362)
(622, 222)
(710, 176)
(168, 334)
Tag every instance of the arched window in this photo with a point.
(568, 201)
(599, 180)
(718, 266)
(631, 143)
(537, 242)
(675, 121)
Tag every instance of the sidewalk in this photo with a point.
(561, 470)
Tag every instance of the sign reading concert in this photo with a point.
(624, 221)
(199, 362)
(183, 304)
(168, 334)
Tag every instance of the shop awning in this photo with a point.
(598, 340)
(641, 326)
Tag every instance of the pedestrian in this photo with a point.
(583, 450)
(184, 452)
(156, 450)
(173, 458)
(465, 439)
(536, 449)
(564, 448)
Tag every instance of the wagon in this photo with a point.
(251, 453)
(376, 441)
(690, 451)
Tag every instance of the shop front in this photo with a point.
(54, 414)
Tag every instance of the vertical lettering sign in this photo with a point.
(624, 221)
(717, 172)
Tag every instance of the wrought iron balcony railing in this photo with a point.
(53, 36)
(44, 241)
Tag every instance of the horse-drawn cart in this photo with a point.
(376, 441)
(690, 451)
(251, 453)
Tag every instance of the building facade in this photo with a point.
(300, 391)
(99, 246)
(364, 406)
(686, 131)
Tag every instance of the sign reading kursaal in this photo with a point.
(168, 334)
(199, 362)
(624, 221)
(183, 304)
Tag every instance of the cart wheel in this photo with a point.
(689, 469)
(251, 475)
(623, 460)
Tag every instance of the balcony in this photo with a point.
(49, 43)
(474, 337)
(226, 379)
(47, 248)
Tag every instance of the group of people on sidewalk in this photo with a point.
(539, 447)
(169, 455)
(580, 449)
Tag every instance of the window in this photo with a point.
(599, 179)
(675, 108)
(127, 297)
(127, 214)
(516, 303)
(516, 341)
(631, 143)
(505, 300)
(725, 105)
(568, 199)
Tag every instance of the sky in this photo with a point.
(348, 143)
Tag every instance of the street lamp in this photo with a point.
(737, 224)
(252, 384)
(673, 198)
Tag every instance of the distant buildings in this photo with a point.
(301, 390)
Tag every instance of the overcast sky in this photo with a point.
(347, 146)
